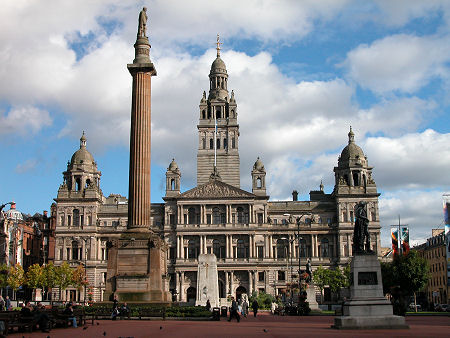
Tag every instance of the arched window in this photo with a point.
(233, 143)
(88, 182)
(346, 179)
(216, 216)
(204, 143)
(324, 248)
(203, 114)
(225, 143)
(218, 112)
(344, 216)
(211, 143)
(75, 250)
(241, 249)
(209, 112)
(258, 182)
(282, 248)
(76, 217)
(78, 184)
(218, 143)
(227, 114)
(355, 179)
(172, 184)
(303, 248)
(191, 216)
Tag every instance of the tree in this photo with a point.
(50, 276)
(16, 277)
(321, 279)
(63, 277)
(34, 277)
(346, 273)
(79, 277)
(404, 276)
(3, 276)
(336, 279)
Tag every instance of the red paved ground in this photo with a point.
(265, 325)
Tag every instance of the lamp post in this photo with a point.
(85, 239)
(288, 255)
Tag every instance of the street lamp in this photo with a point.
(85, 239)
(288, 254)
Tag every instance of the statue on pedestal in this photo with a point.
(361, 236)
(142, 22)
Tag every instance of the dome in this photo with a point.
(351, 151)
(82, 155)
(173, 166)
(13, 213)
(218, 66)
(258, 165)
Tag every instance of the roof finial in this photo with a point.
(351, 136)
(218, 43)
(83, 140)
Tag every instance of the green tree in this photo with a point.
(16, 277)
(264, 299)
(346, 273)
(3, 276)
(336, 279)
(34, 277)
(321, 278)
(50, 276)
(404, 276)
(63, 277)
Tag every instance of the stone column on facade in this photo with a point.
(177, 285)
(181, 247)
(335, 246)
(231, 281)
(227, 286)
(270, 247)
(250, 246)
(201, 244)
(350, 245)
(205, 247)
(250, 287)
(227, 246)
(181, 286)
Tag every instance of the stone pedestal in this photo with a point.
(311, 298)
(367, 307)
(207, 280)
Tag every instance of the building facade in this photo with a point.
(433, 250)
(258, 242)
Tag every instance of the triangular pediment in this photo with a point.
(215, 189)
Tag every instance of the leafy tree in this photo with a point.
(321, 278)
(50, 276)
(16, 277)
(264, 299)
(35, 277)
(3, 276)
(404, 276)
(79, 277)
(336, 279)
(63, 277)
(346, 273)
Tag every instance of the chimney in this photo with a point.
(295, 195)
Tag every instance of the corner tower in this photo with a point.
(218, 129)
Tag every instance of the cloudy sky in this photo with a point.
(302, 72)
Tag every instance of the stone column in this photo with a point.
(181, 286)
(227, 286)
(177, 285)
(181, 247)
(231, 281)
(250, 246)
(201, 244)
(227, 246)
(250, 287)
(270, 247)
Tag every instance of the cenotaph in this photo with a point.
(207, 280)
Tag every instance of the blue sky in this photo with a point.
(302, 72)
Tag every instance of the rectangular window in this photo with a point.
(69, 220)
(218, 143)
(281, 275)
(68, 253)
(260, 218)
(328, 220)
(61, 221)
(172, 219)
(233, 143)
(172, 252)
(185, 219)
(225, 143)
(275, 221)
(105, 223)
(208, 219)
(103, 254)
(61, 254)
(115, 224)
(204, 143)
(260, 250)
(261, 276)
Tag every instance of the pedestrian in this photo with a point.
(255, 307)
(2, 304)
(240, 306)
(234, 310)
(8, 303)
(208, 305)
(245, 308)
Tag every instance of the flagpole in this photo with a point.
(215, 139)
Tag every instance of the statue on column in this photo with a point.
(308, 271)
(361, 236)
(142, 22)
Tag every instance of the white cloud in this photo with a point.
(27, 166)
(420, 210)
(22, 120)
(413, 161)
(400, 62)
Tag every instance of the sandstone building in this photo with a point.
(252, 237)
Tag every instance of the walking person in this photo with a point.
(8, 303)
(234, 310)
(255, 307)
(245, 308)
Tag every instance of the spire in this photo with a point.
(321, 185)
(83, 141)
(218, 43)
(351, 136)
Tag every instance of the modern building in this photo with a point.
(258, 242)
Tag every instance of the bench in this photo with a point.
(152, 312)
(98, 313)
(14, 319)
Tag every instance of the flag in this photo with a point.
(405, 240)
(394, 236)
